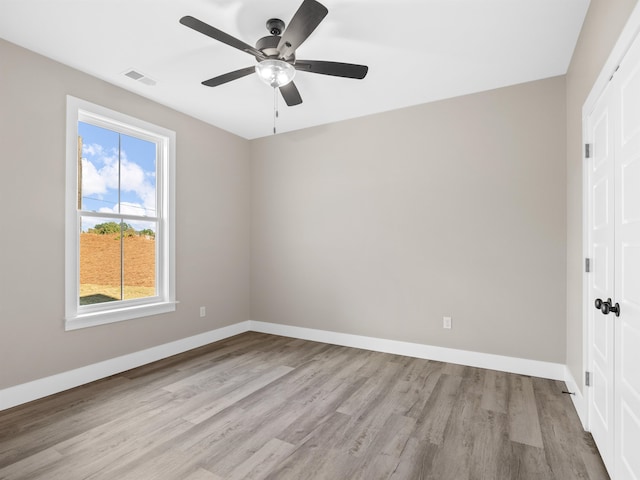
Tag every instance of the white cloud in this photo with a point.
(92, 149)
(133, 179)
(92, 181)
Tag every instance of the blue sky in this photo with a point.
(101, 166)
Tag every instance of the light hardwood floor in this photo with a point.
(259, 406)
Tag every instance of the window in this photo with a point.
(120, 213)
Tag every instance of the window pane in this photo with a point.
(140, 260)
(137, 176)
(100, 261)
(99, 169)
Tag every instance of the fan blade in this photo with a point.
(291, 94)
(219, 35)
(227, 77)
(303, 23)
(337, 69)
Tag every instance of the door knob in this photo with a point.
(607, 307)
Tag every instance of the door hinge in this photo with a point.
(587, 265)
(587, 379)
(614, 73)
(587, 150)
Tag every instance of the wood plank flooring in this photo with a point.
(259, 406)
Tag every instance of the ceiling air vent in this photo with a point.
(140, 77)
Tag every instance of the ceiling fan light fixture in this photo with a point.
(275, 73)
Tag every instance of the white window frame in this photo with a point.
(81, 316)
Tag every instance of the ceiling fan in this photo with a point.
(276, 53)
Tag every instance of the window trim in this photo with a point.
(89, 315)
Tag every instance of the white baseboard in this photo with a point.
(577, 398)
(26, 392)
(535, 368)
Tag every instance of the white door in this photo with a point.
(614, 241)
(627, 267)
(601, 280)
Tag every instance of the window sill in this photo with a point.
(94, 319)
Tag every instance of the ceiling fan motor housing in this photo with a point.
(269, 46)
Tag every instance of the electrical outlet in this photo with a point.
(446, 322)
(203, 311)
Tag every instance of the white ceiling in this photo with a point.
(417, 51)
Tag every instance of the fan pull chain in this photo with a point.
(275, 108)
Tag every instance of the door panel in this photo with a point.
(629, 92)
(601, 404)
(600, 135)
(630, 374)
(630, 183)
(601, 241)
(630, 439)
(601, 207)
(601, 265)
(602, 344)
(630, 260)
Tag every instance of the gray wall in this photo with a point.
(212, 250)
(603, 24)
(381, 225)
